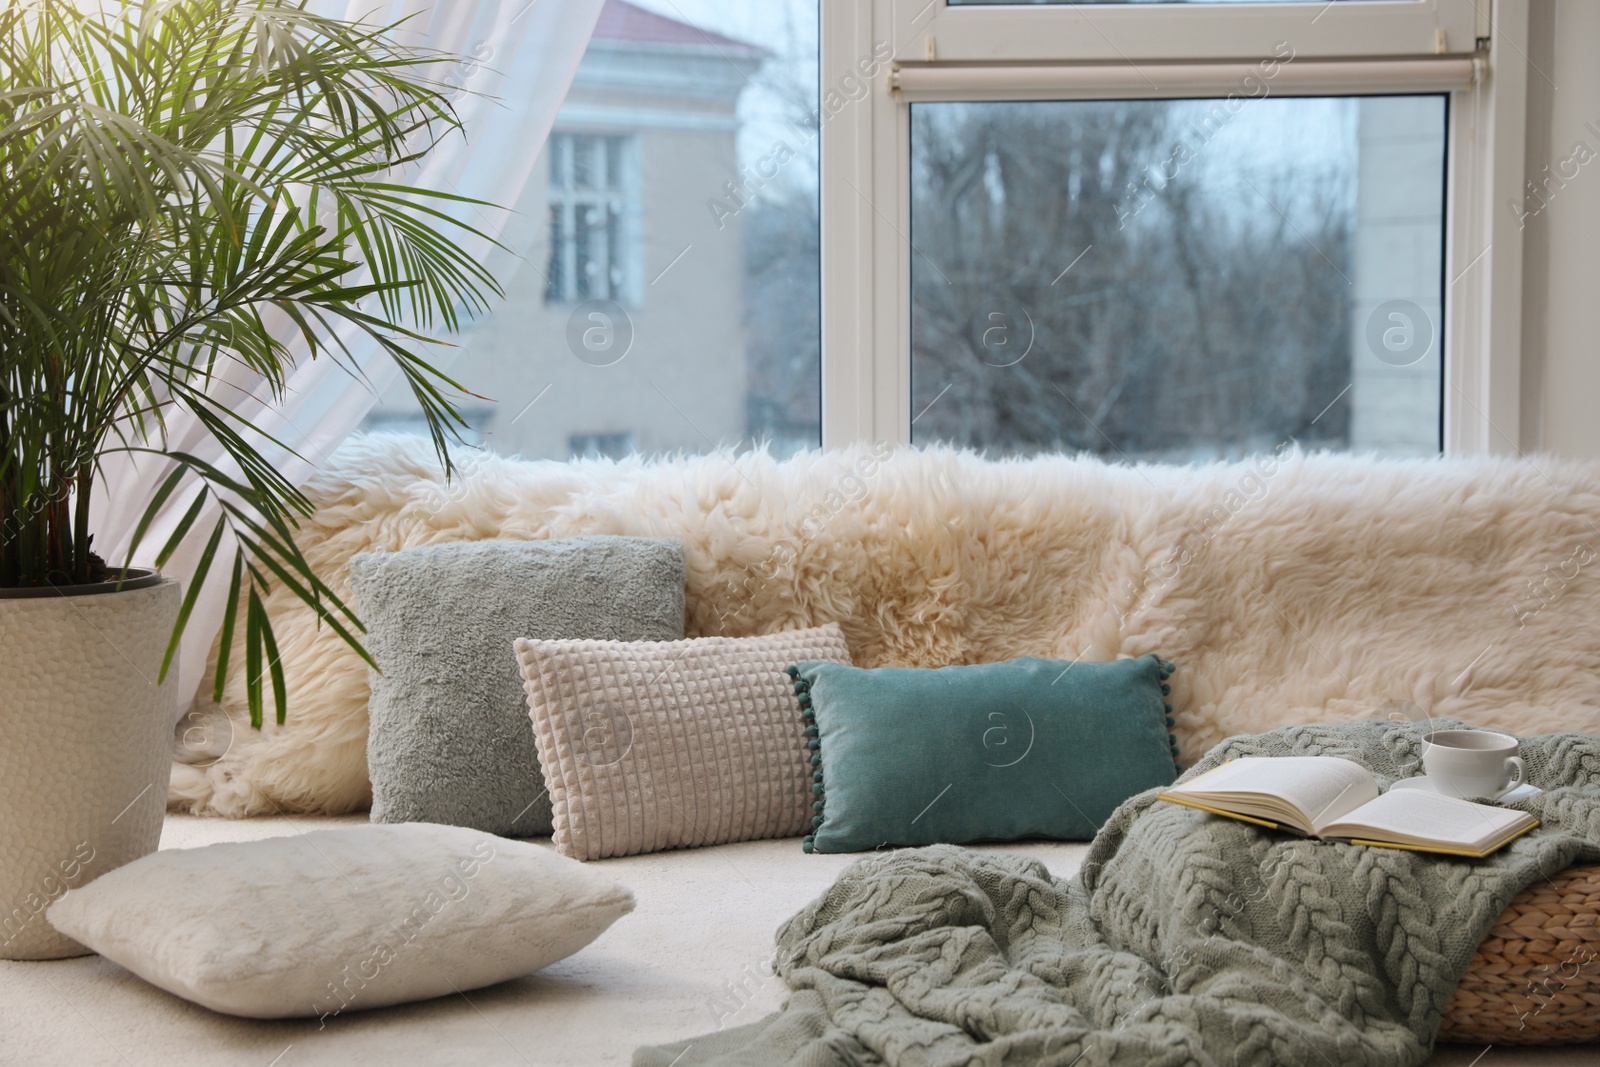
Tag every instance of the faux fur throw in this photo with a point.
(1188, 939)
(1288, 589)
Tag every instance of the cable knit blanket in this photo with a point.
(1185, 939)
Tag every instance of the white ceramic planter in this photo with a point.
(86, 748)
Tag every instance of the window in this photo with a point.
(592, 186)
(1330, 259)
(1261, 221)
(1178, 280)
(665, 295)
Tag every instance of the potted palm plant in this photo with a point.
(186, 186)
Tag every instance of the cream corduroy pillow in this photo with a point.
(651, 745)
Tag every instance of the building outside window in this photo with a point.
(666, 293)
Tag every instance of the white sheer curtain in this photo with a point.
(520, 56)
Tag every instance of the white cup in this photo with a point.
(1472, 763)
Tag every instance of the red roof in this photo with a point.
(622, 21)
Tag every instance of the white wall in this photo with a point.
(1561, 231)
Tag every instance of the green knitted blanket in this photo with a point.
(1185, 939)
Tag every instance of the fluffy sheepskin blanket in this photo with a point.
(1287, 589)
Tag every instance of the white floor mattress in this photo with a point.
(691, 957)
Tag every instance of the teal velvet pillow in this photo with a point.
(1031, 748)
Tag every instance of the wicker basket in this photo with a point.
(1535, 980)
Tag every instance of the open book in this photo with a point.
(1337, 799)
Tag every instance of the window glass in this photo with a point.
(666, 293)
(1178, 280)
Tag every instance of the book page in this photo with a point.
(1411, 816)
(1319, 789)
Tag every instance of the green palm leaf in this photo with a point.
(174, 176)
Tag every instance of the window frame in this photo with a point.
(865, 167)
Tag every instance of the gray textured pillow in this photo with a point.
(450, 740)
